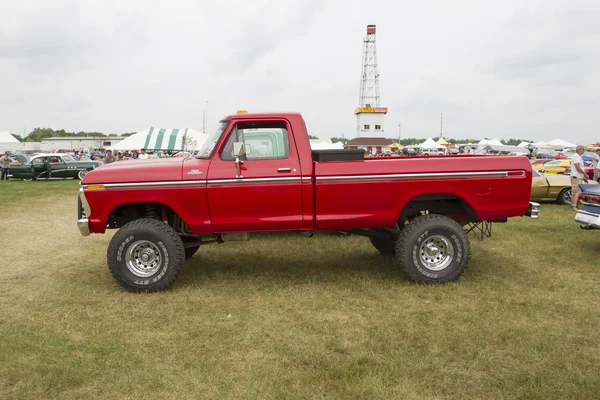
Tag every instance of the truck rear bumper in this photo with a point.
(587, 220)
(534, 210)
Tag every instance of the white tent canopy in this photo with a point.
(429, 144)
(163, 139)
(319, 144)
(540, 144)
(490, 142)
(561, 143)
(523, 144)
(6, 137)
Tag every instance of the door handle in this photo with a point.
(284, 169)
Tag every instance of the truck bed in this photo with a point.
(354, 194)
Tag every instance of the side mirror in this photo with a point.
(239, 150)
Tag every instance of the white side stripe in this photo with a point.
(447, 175)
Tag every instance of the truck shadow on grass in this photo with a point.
(291, 260)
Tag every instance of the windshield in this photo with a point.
(209, 146)
(68, 158)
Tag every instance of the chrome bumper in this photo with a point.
(83, 212)
(587, 220)
(84, 227)
(534, 210)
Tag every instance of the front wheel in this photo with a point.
(433, 249)
(81, 174)
(145, 255)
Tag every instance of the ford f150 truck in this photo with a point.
(257, 173)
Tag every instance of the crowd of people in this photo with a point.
(109, 157)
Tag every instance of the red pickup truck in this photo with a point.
(257, 173)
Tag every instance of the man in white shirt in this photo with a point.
(143, 155)
(597, 165)
(577, 176)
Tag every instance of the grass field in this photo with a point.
(283, 316)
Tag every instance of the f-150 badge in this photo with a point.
(194, 172)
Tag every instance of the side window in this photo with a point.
(263, 141)
(38, 161)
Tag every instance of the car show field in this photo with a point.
(285, 316)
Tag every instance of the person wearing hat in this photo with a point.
(5, 165)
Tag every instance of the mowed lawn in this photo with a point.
(283, 316)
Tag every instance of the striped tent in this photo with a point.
(163, 139)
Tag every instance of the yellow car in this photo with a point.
(553, 167)
(552, 187)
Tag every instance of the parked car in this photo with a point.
(551, 187)
(553, 167)
(589, 217)
(52, 166)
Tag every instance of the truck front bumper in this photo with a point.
(587, 220)
(83, 211)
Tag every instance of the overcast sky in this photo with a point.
(498, 69)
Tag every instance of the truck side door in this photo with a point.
(268, 195)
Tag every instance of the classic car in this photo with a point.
(552, 187)
(53, 165)
(553, 167)
(589, 217)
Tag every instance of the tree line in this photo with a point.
(39, 134)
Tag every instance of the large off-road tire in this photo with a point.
(385, 245)
(190, 251)
(433, 249)
(564, 197)
(145, 255)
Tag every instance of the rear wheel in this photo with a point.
(564, 197)
(433, 249)
(145, 255)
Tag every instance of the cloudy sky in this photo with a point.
(524, 69)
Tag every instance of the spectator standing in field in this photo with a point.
(577, 176)
(5, 165)
(143, 155)
(597, 165)
(109, 158)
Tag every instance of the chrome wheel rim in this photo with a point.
(143, 259)
(436, 253)
(568, 196)
(81, 174)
